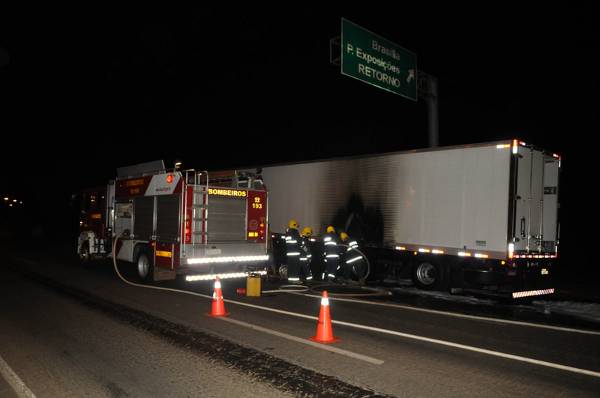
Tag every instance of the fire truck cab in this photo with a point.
(171, 222)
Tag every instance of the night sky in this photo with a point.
(85, 90)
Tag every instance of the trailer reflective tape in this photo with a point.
(353, 259)
(530, 293)
(436, 251)
(162, 253)
(511, 250)
(421, 250)
(464, 254)
(230, 275)
(515, 147)
(229, 259)
(400, 248)
(479, 255)
(293, 253)
(503, 146)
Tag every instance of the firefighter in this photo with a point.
(306, 247)
(352, 261)
(292, 251)
(332, 254)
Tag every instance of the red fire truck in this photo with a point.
(171, 222)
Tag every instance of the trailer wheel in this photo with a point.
(144, 265)
(428, 275)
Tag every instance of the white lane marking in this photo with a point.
(392, 332)
(339, 351)
(457, 315)
(434, 341)
(15, 381)
(474, 349)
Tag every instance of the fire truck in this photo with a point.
(171, 222)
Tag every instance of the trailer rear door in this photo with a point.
(531, 216)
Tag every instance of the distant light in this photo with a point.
(10, 205)
(14, 200)
(6, 198)
(21, 202)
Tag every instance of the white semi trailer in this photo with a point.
(481, 216)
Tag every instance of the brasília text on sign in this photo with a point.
(377, 61)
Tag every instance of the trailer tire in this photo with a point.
(429, 275)
(144, 265)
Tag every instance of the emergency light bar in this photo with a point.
(230, 259)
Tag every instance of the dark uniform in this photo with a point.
(332, 255)
(352, 260)
(306, 250)
(292, 251)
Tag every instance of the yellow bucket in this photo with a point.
(253, 285)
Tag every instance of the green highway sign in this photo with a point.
(378, 61)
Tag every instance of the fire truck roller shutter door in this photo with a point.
(226, 219)
(143, 217)
(167, 219)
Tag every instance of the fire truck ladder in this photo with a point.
(199, 206)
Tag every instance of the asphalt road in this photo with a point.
(61, 348)
(388, 344)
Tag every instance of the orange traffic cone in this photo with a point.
(218, 305)
(324, 330)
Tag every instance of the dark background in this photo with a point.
(86, 89)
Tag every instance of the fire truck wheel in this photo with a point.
(84, 253)
(145, 268)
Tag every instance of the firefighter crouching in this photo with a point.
(292, 251)
(353, 265)
(332, 254)
(306, 249)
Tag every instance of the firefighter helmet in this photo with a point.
(344, 236)
(293, 223)
(307, 232)
(330, 229)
